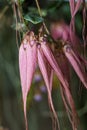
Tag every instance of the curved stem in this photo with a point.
(3, 11)
(39, 10)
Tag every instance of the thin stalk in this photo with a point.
(15, 13)
(3, 11)
(39, 10)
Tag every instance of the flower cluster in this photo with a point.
(36, 50)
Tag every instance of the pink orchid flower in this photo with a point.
(27, 64)
(74, 57)
(29, 54)
(35, 51)
(76, 63)
(70, 52)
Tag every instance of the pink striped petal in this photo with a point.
(75, 62)
(43, 69)
(23, 77)
(51, 59)
(27, 63)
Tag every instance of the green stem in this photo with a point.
(3, 11)
(39, 10)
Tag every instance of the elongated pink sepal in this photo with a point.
(27, 64)
(51, 59)
(76, 64)
(43, 68)
(23, 77)
(44, 72)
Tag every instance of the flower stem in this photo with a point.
(3, 11)
(39, 10)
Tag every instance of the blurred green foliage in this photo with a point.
(11, 107)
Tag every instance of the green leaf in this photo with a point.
(33, 18)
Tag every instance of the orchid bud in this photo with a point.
(60, 31)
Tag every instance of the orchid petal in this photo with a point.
(23, 77)
(75, 62)
(51, 59)
(27, 63)
(43, 69)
